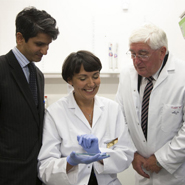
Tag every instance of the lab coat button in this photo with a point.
(88, 166)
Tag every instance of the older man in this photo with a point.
(151, 93)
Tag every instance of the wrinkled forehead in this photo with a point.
(139, 47)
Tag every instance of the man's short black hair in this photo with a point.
(30, 21)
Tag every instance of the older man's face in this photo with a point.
(150, 64)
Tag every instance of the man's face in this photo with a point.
(150, 65)
(35, 48)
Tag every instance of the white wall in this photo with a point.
(92, 25)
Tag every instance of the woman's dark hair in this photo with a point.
(73, 62)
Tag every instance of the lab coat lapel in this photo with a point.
(168, 68)
(134, 79)
(81, 116)
(77, 111)
(135, 98)
(98, 105)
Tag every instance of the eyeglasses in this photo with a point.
(144, 57)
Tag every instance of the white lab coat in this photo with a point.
(166, 127)
(64, 120)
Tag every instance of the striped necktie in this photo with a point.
(145, 105)
(33, 82)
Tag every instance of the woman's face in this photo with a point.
(85, 84)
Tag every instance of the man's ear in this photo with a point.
(19, 38)
(162, 52)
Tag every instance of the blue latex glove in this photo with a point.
(74, 159)
(89, 143)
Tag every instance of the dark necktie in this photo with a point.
(145, 105)
(32, 81)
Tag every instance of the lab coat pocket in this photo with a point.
(171, 118)
(110, 143)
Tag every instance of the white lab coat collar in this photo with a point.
(168, 68)
(97, 111)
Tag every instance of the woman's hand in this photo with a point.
(89, 143)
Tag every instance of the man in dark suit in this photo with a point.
(21, 118)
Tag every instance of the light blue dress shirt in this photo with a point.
(23, 61)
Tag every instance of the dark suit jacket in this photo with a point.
(21, 124)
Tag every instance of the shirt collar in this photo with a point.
(156, 75)
(23, 61)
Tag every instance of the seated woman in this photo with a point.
(85, 139)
